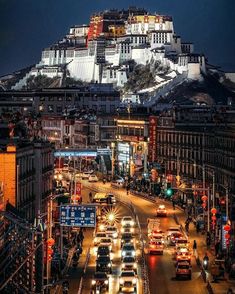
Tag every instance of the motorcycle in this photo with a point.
(205, 263)
(65, 286)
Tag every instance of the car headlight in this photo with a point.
(133, 253)
(109, 265)
(106, 282)
(110, 247)
(121, 281)
(122, 223)
(132, 230)
(135, 265)
(101, 227)
(93, 282)
(122, 230)
(134, 281)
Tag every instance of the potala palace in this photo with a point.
(104, 50)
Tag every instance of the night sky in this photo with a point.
(27, 26)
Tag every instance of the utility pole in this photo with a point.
(227, 218)
(208, 210)
(49, 234)
(213, 189)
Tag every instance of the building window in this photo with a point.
(50, 108)
(59, 109)
(59, 98)
(51, 99)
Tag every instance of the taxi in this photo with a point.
(182, 243)
(183, 255)
(183, 269)
(161, 210)
(156, 246)
(174, 237)
(156, 234)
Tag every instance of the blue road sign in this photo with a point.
(78, 215)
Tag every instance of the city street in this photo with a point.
(74, 274)
(161, 269)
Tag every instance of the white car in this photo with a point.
(129, 263)
(128, 249)
(98, 237)
(171, 230)
(127, 229)
(127, 220)
(161, 211)
(127, 280)
(85, 175)
(111, 232)
(106, 241)
(93, 178)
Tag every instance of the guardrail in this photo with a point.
(84, 270)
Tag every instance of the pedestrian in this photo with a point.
(198, 227)
(173, 204)
(194, 247)
(90, 197)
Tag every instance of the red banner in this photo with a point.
(152, 147)
(78, 191)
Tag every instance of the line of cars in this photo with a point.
(182, 252)
(174, 237)
(105, 240)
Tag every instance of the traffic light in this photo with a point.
(169, 191)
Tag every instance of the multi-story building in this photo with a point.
(198, 145)
(132, 142)
(102, 98)
(26, 174)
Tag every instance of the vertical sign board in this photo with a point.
(152, 152)
(78, 215)
(78, 190)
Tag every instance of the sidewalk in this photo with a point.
(222, 286)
